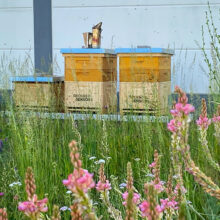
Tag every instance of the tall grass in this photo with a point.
(43, 145)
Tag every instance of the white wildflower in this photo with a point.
(137, 159)
(15, 184)
(101, 161)
(150, 175)
(122, 185)
(92, 158)
(65, 208)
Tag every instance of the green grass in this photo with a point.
(43, 145)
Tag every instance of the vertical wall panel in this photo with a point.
(16, 39)
(42, 36)
(173, 23)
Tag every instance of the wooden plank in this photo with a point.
(90, 95)
(49, 95)
(139, 62)
(144, 75)
(90, 75)
(90, 67)
(144, 68)
(86, 62)
(144, 96)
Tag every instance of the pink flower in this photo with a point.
(152, 165)
(181, 108)
(178, 187)
(146, 212)
(216, 119)
(159, 209)
(175, 112)
(145, 208)
(34, 206)
(159, 187)
(1, 194)
(136, 198)
(79, 179)
(184, 108)
(188, 108)
(166, 204)
(203, 122)
(103, 186)
(173, 125)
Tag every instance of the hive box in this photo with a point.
(90, 80)
(38, 93)
(145, 79)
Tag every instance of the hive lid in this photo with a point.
(144, 50)
(37, 79)
(87, 50)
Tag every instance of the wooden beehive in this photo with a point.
(38, 93)
(90, 80)
(145, 76)
(95, 97)
(144, 97)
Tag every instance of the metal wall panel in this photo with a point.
(16, 3)
(174, 24)
(43, 36)
(15, 63)
(158, 27)
(120, 3)
(16, 27)
(16, 40)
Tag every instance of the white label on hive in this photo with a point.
(83, 97)
(139, 99)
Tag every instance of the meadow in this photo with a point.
(115, 169)
(42, 143)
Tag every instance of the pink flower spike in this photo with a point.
(103, 186)
(1, 194)
(175, 112)
(136, 198)
(203, 122)
(159, 187)
(173, 125)
(216, 119)
(166, 204)
(79, 179)
(34, 206)
(188, 108)
(159, 209)
(152, 165)
(145, 208)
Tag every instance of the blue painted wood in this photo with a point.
(37, 79)
(87, 50)
(144, 50)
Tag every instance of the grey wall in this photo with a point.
(126, 23)
(158, 23)
(16, 39)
